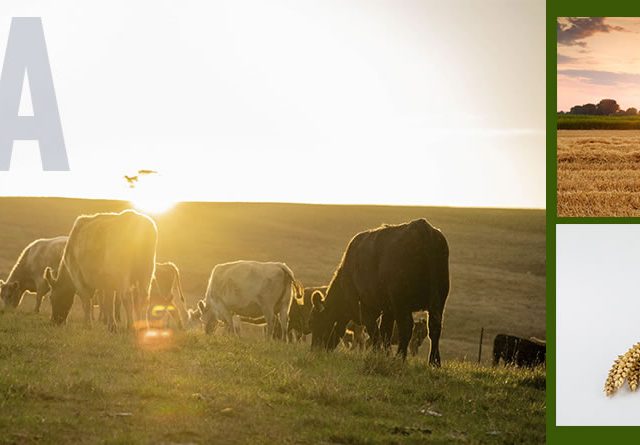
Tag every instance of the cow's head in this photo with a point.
(61, 296)
(322, 323)
(205, 314)
(10, 294)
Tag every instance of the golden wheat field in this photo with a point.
(598, 173)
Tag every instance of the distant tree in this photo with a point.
(620, 113)
(631, 111)
(577, 109)
(607, 107)
(561, 112)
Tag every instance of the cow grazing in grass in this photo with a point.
(518, 351)
(249, 289)
(418, 334)
(531, 352)
(395, 270)
(27, 273)
(300, 312)
(504, 347)
(111, 252)
(166, 283)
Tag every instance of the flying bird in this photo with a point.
(132, 180)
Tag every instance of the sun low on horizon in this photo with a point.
(152, 195)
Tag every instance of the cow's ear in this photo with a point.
(317, 300)
(48, 276)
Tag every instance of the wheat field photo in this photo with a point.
(598, 172)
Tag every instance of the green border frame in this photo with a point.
(571, 8)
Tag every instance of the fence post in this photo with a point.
(480, 345)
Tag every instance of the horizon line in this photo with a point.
(282, 202)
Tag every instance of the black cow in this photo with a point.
(518, 351)
(392, 270)
(299, 313)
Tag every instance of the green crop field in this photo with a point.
(76, 385)
(581, 122)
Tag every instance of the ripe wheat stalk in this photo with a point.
(625, 367)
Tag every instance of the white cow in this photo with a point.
(109, 252)
(249, 289)
(27, 273)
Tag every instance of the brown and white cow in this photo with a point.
(111, 252)
(250, 289)
(27, 274)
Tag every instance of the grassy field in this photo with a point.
(75, 385)
(579, 122)
(71, 385)
(599, 173)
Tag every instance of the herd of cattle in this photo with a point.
(390, 288)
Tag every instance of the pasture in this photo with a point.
(77, 385)
(583, 122)
(599, 173)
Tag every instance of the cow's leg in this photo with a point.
(117, 306)
(125, 300)
(405, 329)
(41, 291)
(435, 328)
(386, 329)
(284, 322)
(175, 314)
(371, 323)
(109, 305)
(86, 308)
(140, 303)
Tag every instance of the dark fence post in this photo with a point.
(480, 346)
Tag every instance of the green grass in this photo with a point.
(580, 122)
(73, 385)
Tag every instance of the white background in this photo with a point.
(598, 318)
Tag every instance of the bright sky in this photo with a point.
(598, 58)
(332, 101)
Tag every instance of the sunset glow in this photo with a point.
(598, 59)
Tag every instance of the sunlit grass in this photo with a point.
(71, 384)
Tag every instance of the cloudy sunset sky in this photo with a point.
(598, 58)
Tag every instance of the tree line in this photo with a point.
(606, 107)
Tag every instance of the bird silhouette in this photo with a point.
(131, 180)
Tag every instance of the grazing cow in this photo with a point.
(531, 353)
(166, 280)
(392, 270)
(111, 252)
(300, 312)
(505, 347)
(249, 289)
(518, 351)
(27, 273)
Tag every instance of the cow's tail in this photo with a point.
(296, 286)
